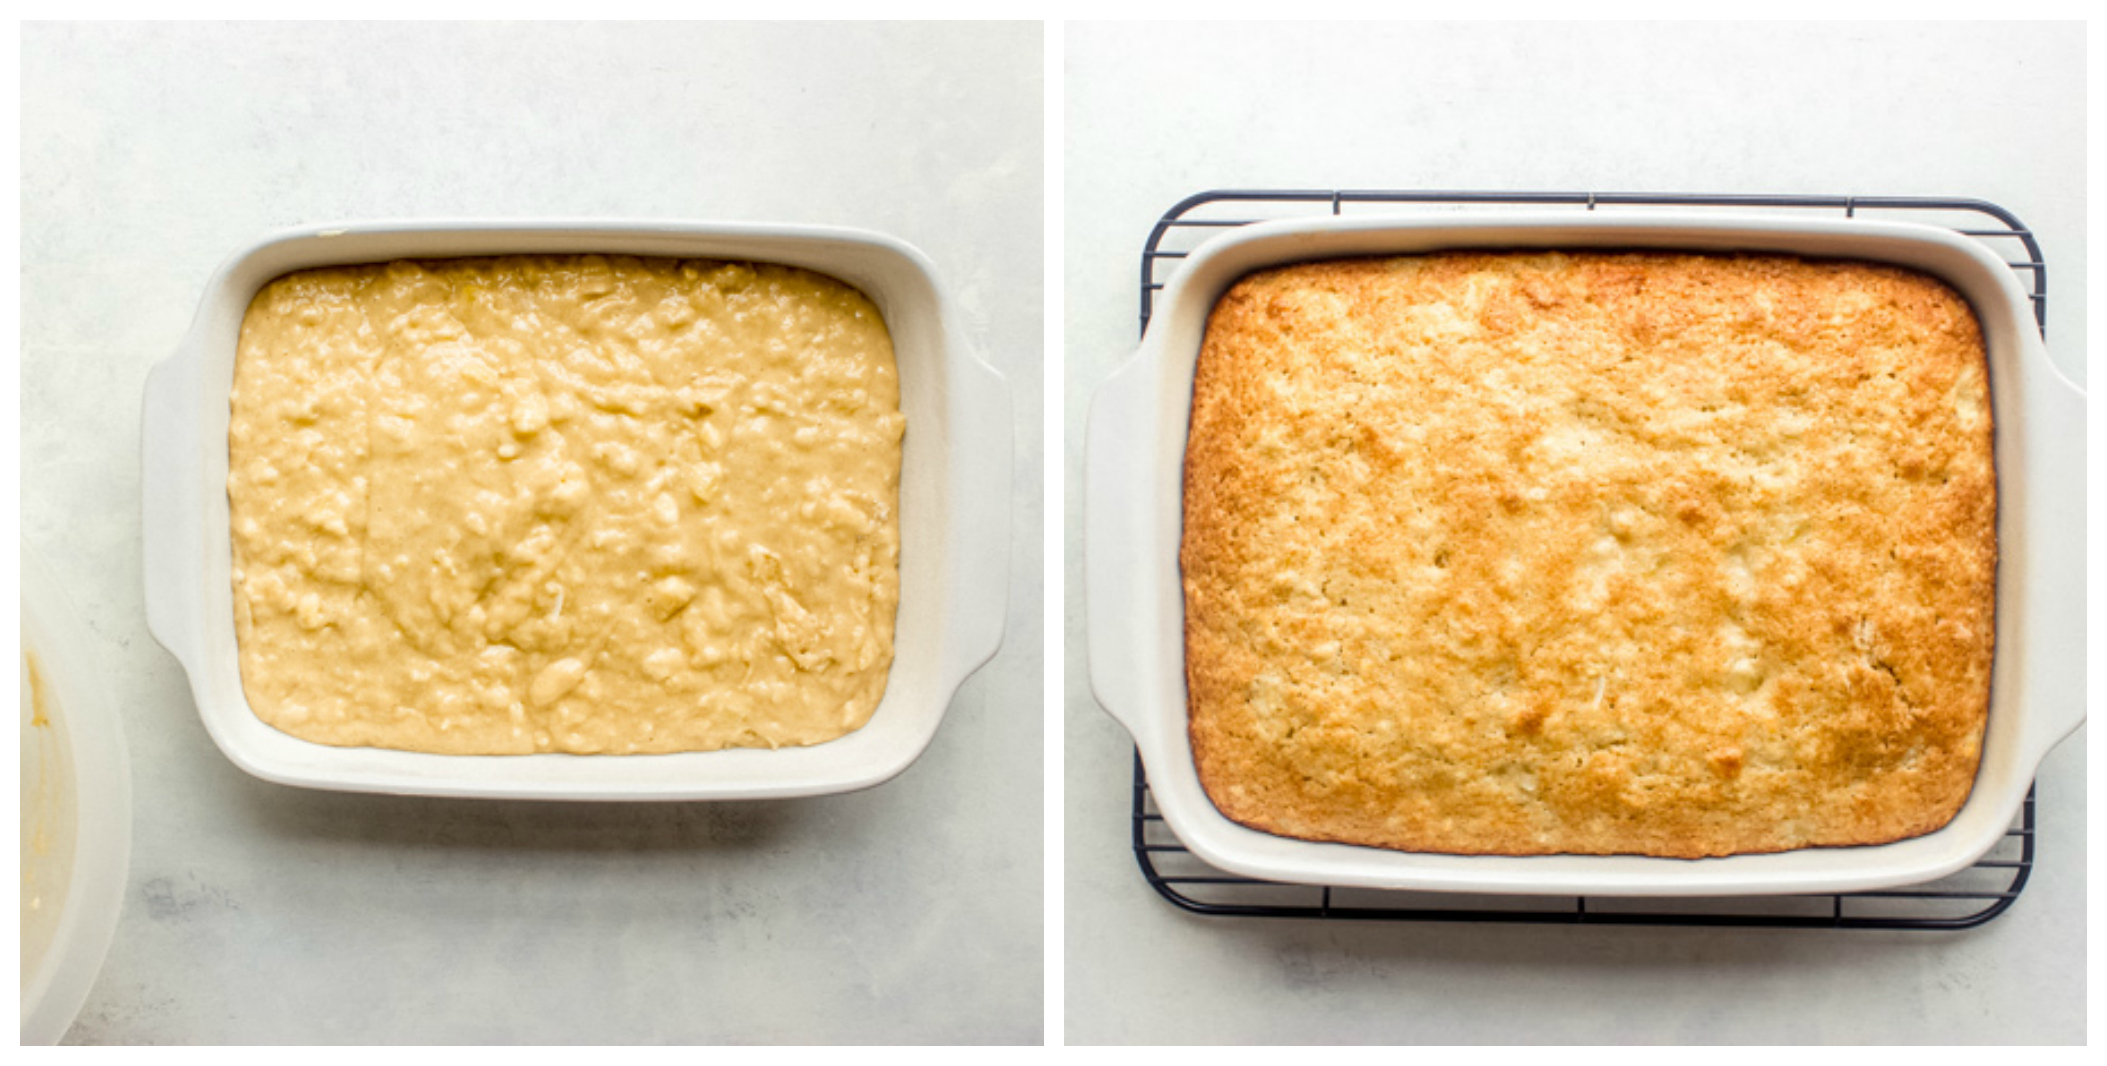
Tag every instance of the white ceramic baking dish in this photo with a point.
(1135, 454)
(954, 493)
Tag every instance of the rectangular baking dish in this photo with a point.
(954, 492)
(1132, 516)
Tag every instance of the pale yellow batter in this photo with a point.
(571, 504)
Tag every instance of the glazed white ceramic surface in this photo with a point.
(954, 494)
(93, 808)
(1132, 472)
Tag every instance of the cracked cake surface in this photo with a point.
(1599, 553)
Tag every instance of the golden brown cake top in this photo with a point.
(1590, 553)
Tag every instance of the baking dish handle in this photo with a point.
(980, 409)
(168, 471)
(1119, 509)
(2055, 546)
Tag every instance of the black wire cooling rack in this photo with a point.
(1964, 900)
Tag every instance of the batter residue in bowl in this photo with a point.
(47, 819)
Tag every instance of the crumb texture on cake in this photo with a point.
(1605, 553)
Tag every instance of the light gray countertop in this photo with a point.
(1156, 113)
(256, 913)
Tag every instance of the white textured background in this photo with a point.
(259, 913)
(1153, 114)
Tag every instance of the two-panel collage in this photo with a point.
(1052, 533)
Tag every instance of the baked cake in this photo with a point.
(1605, 553)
